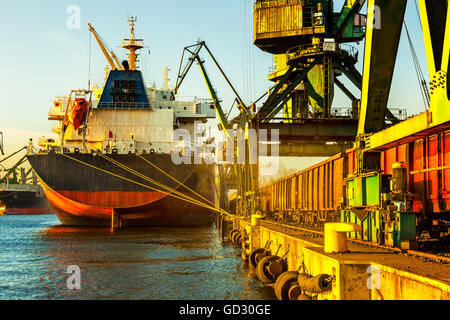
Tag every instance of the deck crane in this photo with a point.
(12, 170)
(110, 56)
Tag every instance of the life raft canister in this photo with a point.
(78, 114)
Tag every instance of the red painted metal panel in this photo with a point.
(320, 187)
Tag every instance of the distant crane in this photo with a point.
(1, 143)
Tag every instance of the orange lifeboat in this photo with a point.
(78, 113)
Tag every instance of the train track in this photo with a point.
(427, 250)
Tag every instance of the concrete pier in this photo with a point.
(362, 273)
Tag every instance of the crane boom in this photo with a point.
(104, 50)
(117, 61)
(194, 56)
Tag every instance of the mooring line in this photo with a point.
(161, 185)
(156, 167)
(143, 185)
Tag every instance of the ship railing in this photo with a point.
(345, 112)
(133, 42)
(124, 105)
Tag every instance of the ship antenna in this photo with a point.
(132, 44)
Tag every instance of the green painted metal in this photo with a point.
(383, 222)
(371, 226)
(213, 93)
(276, 102)
(345, 26)
(372, 190)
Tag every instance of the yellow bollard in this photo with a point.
(256, 218)
(335, 236)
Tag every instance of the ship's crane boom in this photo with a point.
(116, 61)
(110, 56)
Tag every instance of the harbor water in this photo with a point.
(155, 263)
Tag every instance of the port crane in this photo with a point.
(309, 47)
(422, 205)
(1, 143)
(193, 51)
(228, 173)
(11, 175)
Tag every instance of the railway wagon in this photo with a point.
(322, 193)
(309, 197)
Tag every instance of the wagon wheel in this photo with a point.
(435, 233)
(301, 219)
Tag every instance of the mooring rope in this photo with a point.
(161, 185)
(182, 184)
(184, 197)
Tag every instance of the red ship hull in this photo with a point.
(84, 196)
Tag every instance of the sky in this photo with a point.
(42, 57)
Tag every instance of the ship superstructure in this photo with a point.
(125, 114)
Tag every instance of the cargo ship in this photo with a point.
(20, 193)
(112, 164)
(23, 202)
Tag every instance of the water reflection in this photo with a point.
(157, 263)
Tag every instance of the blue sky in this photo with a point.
(42, 58)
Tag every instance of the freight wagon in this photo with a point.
(330, 191)
(308, 197)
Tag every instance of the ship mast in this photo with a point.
(132, 44)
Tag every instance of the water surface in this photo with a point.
(156, 263)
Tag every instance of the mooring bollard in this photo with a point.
(335, 236)
(256, 218)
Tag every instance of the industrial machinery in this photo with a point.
(310, 43)
(230, 175)
(393, 182)
(19, 188)
(393, 194)
(312, 52)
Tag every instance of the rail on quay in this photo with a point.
(364, 272)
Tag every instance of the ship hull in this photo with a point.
(86, 189)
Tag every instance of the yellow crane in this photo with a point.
(110, 56)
